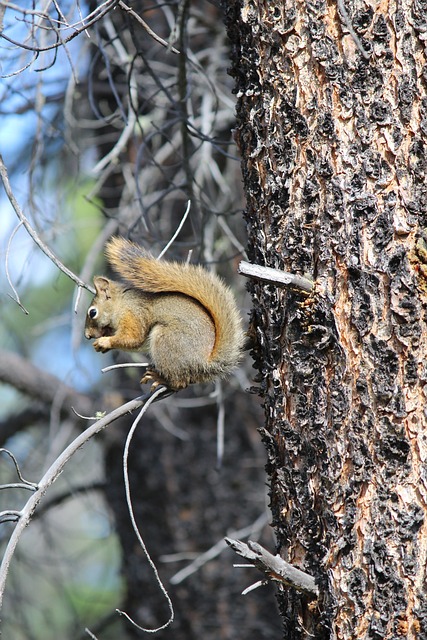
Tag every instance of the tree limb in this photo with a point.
(142, 22)
(274, 567)
(16, 422)
(26, 377)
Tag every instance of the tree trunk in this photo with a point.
(332, 125)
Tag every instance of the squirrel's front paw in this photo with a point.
(102, 344)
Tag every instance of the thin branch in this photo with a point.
(259, 583)
(24, 484)
(17, 299)
(345, 19)
(142, 22)
(274, 567)
(183, 110)
(17, 485)
(9, 516)
(112, 156)
(275, 276)
(231, 236)
(34, 235)
(220, 425)
(93, 17)
(5, 76)
(124, 365)
(175, 235)
(45, 16)
(161, 390)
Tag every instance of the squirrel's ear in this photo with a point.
(102, 286)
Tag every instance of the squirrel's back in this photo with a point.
(144, 272)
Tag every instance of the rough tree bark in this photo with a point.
(332, 125)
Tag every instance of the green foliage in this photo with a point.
(85, 223)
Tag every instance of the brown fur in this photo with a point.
(182, 315)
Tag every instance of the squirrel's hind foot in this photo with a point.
(151, 375)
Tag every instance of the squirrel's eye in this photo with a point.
(92, 313)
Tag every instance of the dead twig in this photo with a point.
(275, 276)
(142, 22)
(274, 567)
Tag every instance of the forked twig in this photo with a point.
(24, 484)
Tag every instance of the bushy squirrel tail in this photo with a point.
(144, 272)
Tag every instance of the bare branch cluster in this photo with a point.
(46, 29)
(157, 111)
(24, 516)
(171, 115)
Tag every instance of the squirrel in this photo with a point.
(182, 315)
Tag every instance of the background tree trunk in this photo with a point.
(332, 130)
(185, 506)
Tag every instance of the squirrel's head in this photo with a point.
(101, 315)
